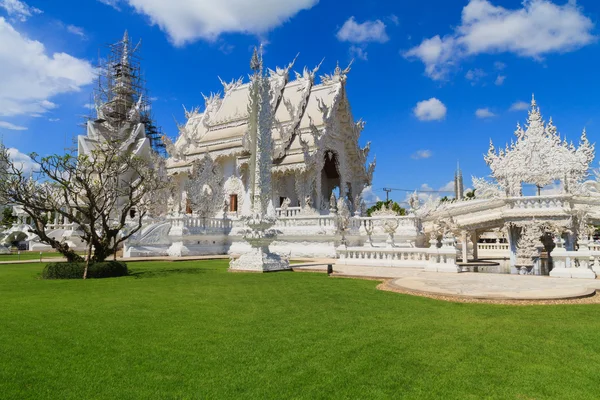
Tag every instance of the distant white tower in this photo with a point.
(459, 188)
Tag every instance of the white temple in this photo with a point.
(273, 170)
(315, 147)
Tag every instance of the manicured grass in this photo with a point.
(193, 330)
(28, 255)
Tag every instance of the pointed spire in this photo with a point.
(125, 57)
(533, 102)
(256, 62)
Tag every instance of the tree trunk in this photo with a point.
(87, 261)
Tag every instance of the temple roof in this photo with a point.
(300, 106)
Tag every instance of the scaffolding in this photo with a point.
(120, 87)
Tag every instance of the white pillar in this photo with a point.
(465, 250)
(475, 239)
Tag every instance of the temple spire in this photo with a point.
(458, 183)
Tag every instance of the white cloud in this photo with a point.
(484, 113)
(369, 197)
(425, 192)
(499, 65)
(30, 76)
(430, 110)
(368, 31)
(394, 18)
(540, 27)
(447, 188)
(76, 30)
(22, 161)
(475, 75)
(500, 80)
(19, 9)
(53, 119)
(89, 106)
(185, 21)
(421, 154)
(358, 52)
(12, 127)
(113, 3)
(555, 188)
(519, 106)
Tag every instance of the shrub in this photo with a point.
(74, 270)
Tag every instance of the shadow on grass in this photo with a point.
(166, 272)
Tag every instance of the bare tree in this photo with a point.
(106, 194)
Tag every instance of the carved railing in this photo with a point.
(493, 246)
(307, 220)
(288, 212)
(196, 224)
(575, 264)
(538, 202)
(403, 222)
(594, 246)
(431, 259)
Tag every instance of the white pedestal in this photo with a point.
(178, 249)
(558, 272)
(260, 260)
(582, 273)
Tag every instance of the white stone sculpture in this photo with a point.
(259, 233)
(538, 156)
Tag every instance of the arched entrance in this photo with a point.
(330, 174)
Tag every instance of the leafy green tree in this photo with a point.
(470, 195)
(8, 219)
(379, 205)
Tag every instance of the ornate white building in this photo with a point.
(315, 147)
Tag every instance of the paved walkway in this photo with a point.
(469, 284)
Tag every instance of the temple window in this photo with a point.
(233, 203)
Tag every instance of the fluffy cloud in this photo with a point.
(500, 80)
(426, 192)
(519, 106)
(30, 76)
(187, 20)
(540, 27)
(22, 161)
(12, 127)
(369, 197)
(19, 9)
(368, 31)
(421, 154)
(484, 113)
(430, 110)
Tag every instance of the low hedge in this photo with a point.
(74, 270)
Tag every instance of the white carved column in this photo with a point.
(474, 240)
(464, 238)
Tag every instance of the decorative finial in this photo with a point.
(256, 61)
(533, 102)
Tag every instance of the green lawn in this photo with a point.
(28, 255)
(193, 330)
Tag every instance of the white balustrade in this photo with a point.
(288, 212)
(575, 264)
(493, 246)
(431, 259)
(538, 202)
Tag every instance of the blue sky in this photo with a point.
(433, 79)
